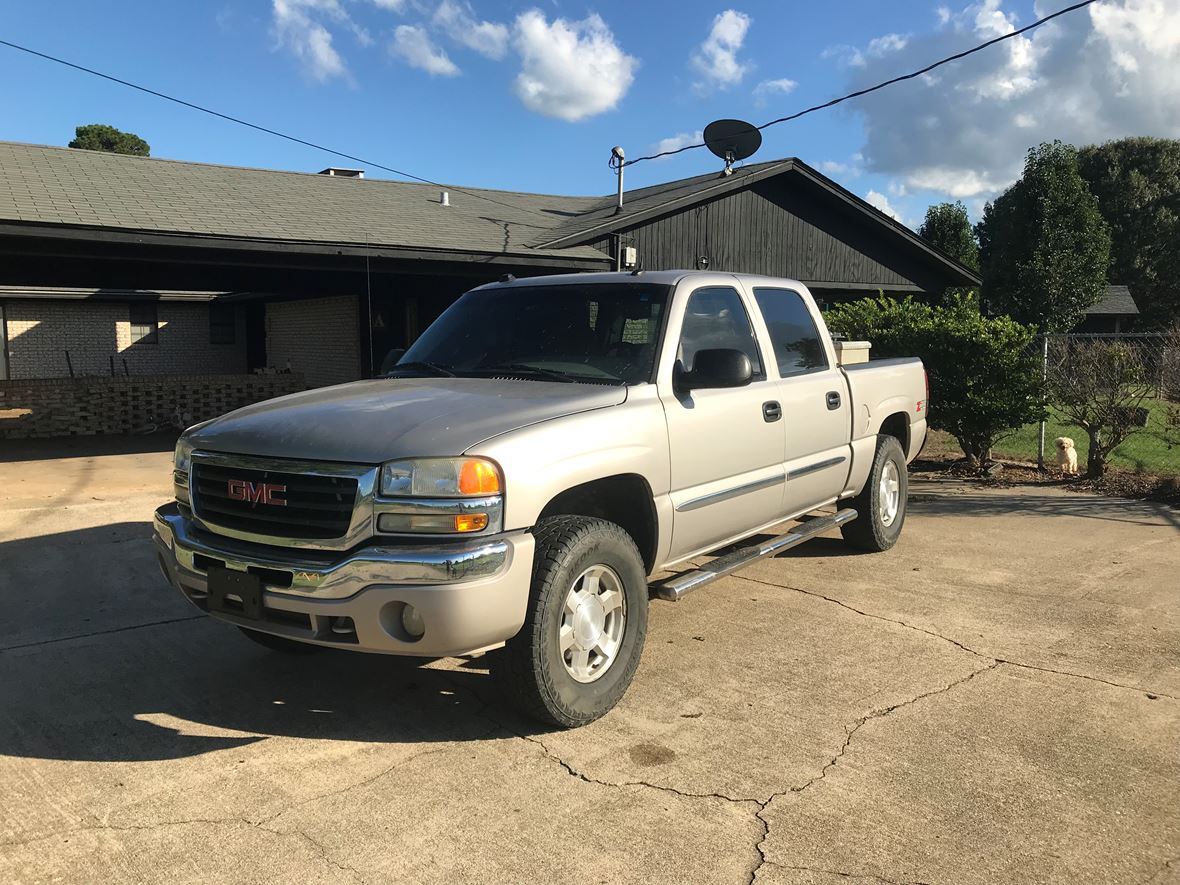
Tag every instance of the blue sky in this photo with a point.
(532, 95)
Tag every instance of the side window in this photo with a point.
(145, 322)
(715, 317)
(796, 340)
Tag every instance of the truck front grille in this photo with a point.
(271, 502)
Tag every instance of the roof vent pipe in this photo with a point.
(444, 199)
(616, 163)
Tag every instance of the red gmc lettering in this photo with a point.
(256, 493)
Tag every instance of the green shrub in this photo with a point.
(984, 373)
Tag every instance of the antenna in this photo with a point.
(732, 140)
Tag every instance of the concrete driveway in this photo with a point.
(995, 700)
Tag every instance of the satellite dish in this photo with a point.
(732, 140)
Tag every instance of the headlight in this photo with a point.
(440, 478)
(183, 454)
(440, 496)
(181, 463)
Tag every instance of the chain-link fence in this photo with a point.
(1113, 386)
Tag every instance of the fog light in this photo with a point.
(342, 625)
(412, 621)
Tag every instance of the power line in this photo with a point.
(860, 92)
(255, 126)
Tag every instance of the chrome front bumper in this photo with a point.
(470, 594)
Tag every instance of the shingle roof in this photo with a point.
(1117, 300)
(68, 186)
(53, 185)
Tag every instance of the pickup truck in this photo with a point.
(542, 450)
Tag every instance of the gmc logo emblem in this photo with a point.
(256, 493)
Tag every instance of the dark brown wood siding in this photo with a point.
(780, 229)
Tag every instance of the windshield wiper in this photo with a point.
(525, 369)
(421, 366)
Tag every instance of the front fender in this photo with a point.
(543, 460)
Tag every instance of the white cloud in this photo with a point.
(305, 29)
(413, 46)
(716, 59)
(679, 140)
(457, 20)
(298, 30)
(570, 69)
(879, 201)
(767, 88)
(1108, 71)
(878, 47)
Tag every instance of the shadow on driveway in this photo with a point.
(120, 668)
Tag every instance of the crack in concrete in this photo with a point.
(202, 821)
(44, 642)
(835, 760)
(762, 804)
(869, 877)
(1006, 661)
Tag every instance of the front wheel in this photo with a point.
(583, 634)
(881, 505)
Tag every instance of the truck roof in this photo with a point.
(666, 277)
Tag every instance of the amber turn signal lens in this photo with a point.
(471, 522)
(478, 478)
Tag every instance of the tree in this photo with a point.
(1101, 386)
(1137, 184)
(948, 228)
(1043, 245)
(984, 374)
(100, 137)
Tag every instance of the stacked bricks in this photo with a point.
(138, 404)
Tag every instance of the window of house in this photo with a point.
(797, 344)
(223, 327)
(145, 323)
(716, 318)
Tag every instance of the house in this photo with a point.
(132, 266)
(1115, 312)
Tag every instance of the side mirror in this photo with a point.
(717, 367)
(391, 360)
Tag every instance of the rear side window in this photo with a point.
(797, 344)
(716, 318)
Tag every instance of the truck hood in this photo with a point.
(384, 419)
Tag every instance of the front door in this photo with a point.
(726, 445)
(814, 393)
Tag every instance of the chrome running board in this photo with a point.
(675, 589)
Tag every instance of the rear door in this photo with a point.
(817, 414)
(726, 445)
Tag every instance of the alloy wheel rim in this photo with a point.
(593, 617)
(889, 497)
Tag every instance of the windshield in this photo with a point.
(598, 332)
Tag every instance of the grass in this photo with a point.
(1143, 452)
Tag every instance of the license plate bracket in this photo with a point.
(236, 593)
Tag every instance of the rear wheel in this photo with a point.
(881, 505)
(583, 635)
(280, 643)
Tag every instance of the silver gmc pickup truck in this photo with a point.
(542, 449)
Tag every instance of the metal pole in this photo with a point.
(1044, 381)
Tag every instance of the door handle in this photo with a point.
(771, 411)
(833, 400)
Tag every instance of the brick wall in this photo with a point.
(82, 406)
(40, 332)
(318, 338)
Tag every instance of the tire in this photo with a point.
(280, 643)
(874, 529)
(598, 560)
